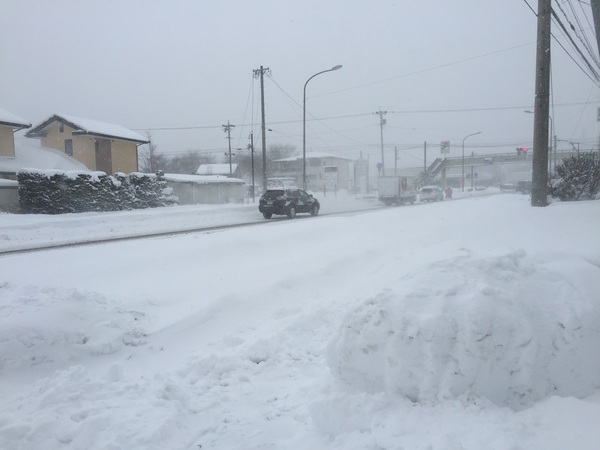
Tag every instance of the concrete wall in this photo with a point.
(210, 193)
(9, 198)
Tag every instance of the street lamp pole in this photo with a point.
(462, 183)
(304, 123)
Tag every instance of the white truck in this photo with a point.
(396, 190)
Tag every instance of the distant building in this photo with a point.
(211, 189)
(98, 145)
(218, 169)
(323, 171)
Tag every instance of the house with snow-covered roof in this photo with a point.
(9, 124)
(100, 146)
(224, 170)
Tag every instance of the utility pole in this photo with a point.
(539, 183)
(596, 15)
(252, 159)
(259, 73)
(227, 129)
(382, 122)
(425, 157)
(395, 160)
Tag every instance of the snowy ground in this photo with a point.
(467, 324)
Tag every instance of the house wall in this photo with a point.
(123, 153)
(7, 141)
(83, 146)
(124, 156)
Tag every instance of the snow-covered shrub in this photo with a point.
(57, 192)
(151, 191)
(576, 178)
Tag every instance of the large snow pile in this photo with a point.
(506, 328)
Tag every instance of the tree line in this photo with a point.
(152, 160)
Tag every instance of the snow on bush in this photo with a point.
(473, 336)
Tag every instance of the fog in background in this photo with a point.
(182, 69)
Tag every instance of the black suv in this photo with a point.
(287, 202)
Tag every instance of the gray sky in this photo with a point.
(442, 70)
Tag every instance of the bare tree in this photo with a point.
(189, 162)
(150, 161)
(280, 151)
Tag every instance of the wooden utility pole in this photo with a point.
(539, 188)
(227, 129)
(260, 73)
(252, 159)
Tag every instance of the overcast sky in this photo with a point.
(442, 70)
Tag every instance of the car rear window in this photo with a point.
(427, 190)
(273, 194)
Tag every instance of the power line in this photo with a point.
(563, 47)
(349, 116)
(441, 66)
(585, 44)
(314, 117)
(582, 35)
(555, 16)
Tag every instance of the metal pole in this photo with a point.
(252, 158)
(462, 182)
(472, 178)
(381, 113)
(304, 123)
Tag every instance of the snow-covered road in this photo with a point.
(457, 325)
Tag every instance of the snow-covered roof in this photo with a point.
(215, 169)
(314, 155)
(8, 118)
(87, 126)
(202, 179)
(30, 155)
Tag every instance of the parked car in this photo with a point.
(524, 187)
(431, 194)
(287, 202)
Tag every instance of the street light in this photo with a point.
(304, 124)
(462, 183)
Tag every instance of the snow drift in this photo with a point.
(504, 328)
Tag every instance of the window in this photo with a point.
(61, 129)
(68, 146)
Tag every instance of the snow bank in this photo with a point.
(63, 326)
(511, 328)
